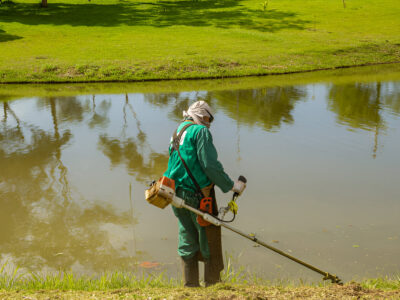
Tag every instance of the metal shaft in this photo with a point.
(327, 276)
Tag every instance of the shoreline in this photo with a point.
(382, 72)
(211, 77)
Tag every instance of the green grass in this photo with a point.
(126, 286)
(233, 274)
(16, 280)
(339, 76)
(382, 283)
(237, 284)
(106, 40)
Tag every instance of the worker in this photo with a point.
(194, 165)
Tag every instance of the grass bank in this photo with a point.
(376, 73)
(237, 284)
(112, 40)
(126, 286)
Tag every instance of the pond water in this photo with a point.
(321, 155)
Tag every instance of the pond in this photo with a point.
(320, 152)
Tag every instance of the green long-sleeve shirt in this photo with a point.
(200, 155)
(208, 159)
(198, 151)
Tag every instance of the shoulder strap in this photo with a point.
(175, 146)
(176, 138)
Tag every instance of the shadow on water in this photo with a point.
(219, 13)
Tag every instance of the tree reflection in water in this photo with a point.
(266, 107)
(361, 106)
(391, 98)
(129, 151)
(48, 225)
(177, 102)
(45, 227)
(99, 117)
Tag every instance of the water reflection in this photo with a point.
(357, 105)
(392, 98)
(99, 117)
(127, 152)
(130, 151)
(360, 106)
(44, 227)
(177, 102)
(268, 107)
(54, 220)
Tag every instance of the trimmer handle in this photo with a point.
(232, 206)
(242, 179)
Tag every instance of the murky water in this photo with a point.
(321, 158)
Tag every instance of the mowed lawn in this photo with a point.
(100, 40)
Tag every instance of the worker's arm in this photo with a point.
(208, 158)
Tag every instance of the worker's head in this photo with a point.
(200, 112)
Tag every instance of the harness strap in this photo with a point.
(175, 146)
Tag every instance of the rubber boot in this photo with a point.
(191, 272)
(212, 274)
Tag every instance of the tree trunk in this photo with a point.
(378, 119)
(44, 3)
(5, 111)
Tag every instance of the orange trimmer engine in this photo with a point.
(205, 206)
(161, 192)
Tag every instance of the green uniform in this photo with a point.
(200, 155)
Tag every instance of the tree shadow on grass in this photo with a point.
(5, 37)
(218, 13)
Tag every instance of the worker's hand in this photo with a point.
(238, 187)
(233, 207)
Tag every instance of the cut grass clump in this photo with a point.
(112, 72)
(49, 68)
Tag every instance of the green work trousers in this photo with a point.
(195, 241)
